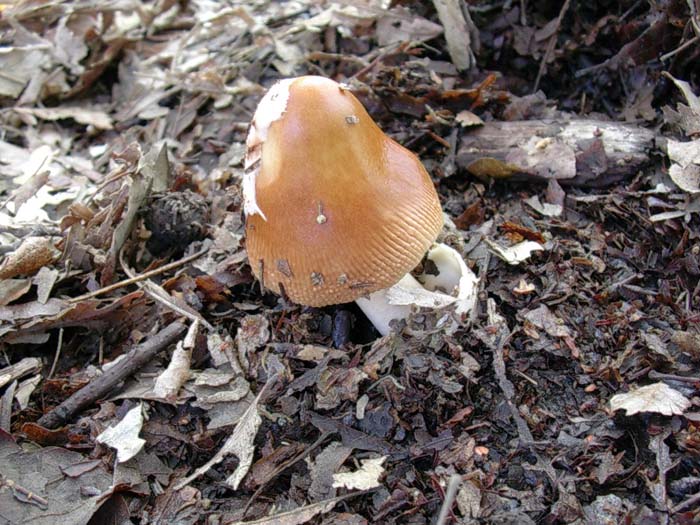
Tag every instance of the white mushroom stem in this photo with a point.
(454, 283)
(380, 311)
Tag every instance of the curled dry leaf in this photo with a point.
(367, 477)
(32, 254)
(124, 436)
(658, 397)
(171, 380)
(88, 116)
(514, 254)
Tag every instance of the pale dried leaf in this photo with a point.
(466, 119)
(514, 254)
(44, 280)
(239, 443)
(25, 390)
(544, 208)
(400, 25)
(657, 397)
(685, 167)
(18, 312)
(367, 477)
(124, 436)
(18, 66)
(82, 115)
(175, 375)
(13, 289)
(692, 98)
(543, 318)
(296, 516)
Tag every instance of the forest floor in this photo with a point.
(145, 377)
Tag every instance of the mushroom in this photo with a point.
(336, 211)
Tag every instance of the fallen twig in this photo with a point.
(96, 389)
(140, 277)
(450, 495)
(157, 293)
(550, 46)
(691, 501)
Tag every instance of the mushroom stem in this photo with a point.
(452, 284)
(380, 311)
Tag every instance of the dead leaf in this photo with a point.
(82, 115)
(297, 516)
(176, 374)
(514, 254)
(239, 443)
(44, 280)
(401, 25)
(466, 119)
(657, 397)
(32, 254)
(367, 477)
(543, 318)
(544, 208)
(13, 289)
(685, 164)
(50, 496)
(124, 436)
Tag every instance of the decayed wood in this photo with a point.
(575, 152)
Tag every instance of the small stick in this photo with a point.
(692, 500)
(32, 498)
(550, 46)
(157, 293)
(133, 361)
(57, 355)
(140, 277)
(653, 374)
(450, 495)
(680, 48)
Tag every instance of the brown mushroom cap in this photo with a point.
(338, 209)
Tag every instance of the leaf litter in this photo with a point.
(556, 382)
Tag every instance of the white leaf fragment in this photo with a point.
(544, 208)
(685, 167)
(170, 381)
(124, 436)
(367, 477)
(172, 378)
(239, 443)
(517, 253)
(82, 115)
(658, 397)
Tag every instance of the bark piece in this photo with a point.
(524, 145)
